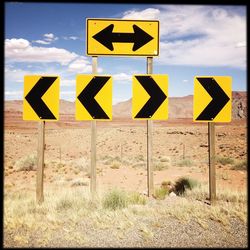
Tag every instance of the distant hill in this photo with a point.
(182, 107)
(179, 107)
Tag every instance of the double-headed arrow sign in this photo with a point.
(150, 97)
(107, 37)
(215, 105)
(41, 101)
(122, 37)
(93, 97)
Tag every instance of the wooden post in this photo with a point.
(150, 173)
(212, 176)
(93, 141)
(121, 151)
(40, 163)
(60, 152)
(183, 151)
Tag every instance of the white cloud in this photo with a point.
(122, 77)
(16, 44)
(68, 92)
(14, 79)
(70, 38)
(50, 37)
(147, 14)
(41, 42)
(68, 95)
(13, 75)
(73, 38)
(82, 65)
(14, 95)
(185, 81)
(241, 44)
(198, 35)
(20, 50)
(68, 83)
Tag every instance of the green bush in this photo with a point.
(167, 185)
(136, 198)
(26, 163)
(160, 193)
(165, 159)
(242, 165)
(161, 166)
(115, 199)
(184, 183)
(185, 163)
(115, 165)
(63, 204)
(224, 160)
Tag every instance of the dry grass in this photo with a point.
(26, 163)
(185, 163)
(68, 213)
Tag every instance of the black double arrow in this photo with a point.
(157, 97)
(220, 99)
(34, 97)
(87, 97)
(107, 37)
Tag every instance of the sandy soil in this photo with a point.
(121, 152)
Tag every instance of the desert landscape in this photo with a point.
(71, 217)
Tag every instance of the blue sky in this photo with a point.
(195, 40)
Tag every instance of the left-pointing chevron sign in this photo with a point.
(212, 99)
(150, 94)
(41, 98)
(93, 97)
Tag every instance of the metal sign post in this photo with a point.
(150, 180)
(212, 175)
(93, 141)
(40, 163)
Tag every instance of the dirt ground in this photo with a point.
(180, 148)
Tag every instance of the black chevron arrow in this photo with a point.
(87, 97)
(35, 95)
(157, 96)
(219, 100)
(106, 37)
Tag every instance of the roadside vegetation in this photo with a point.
(66, 216)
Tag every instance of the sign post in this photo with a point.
(150, 103)
(93, 141)
(150, 172)
(212, 103)
(212, 174)
(117, 37)
(41, 103)
(40, 163)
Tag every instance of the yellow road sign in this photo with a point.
(212, 99)
(41, 98)
(150, 97)
(93, 97)
(119, 37)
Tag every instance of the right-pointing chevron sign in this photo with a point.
(150, 97)
(212, 99)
